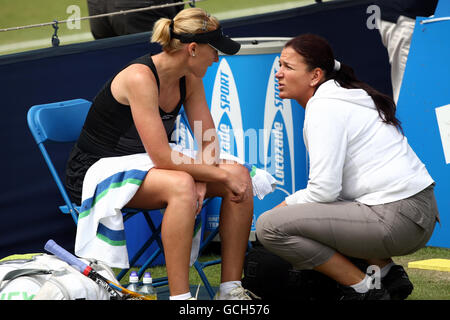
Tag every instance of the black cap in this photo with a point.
(215, 38)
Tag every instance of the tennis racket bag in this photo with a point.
(270, 277)
(46, 277)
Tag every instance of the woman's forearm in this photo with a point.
(203, 168)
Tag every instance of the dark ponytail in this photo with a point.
(317, 53)
(385, 105)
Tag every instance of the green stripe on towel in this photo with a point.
(111, 242)
(102, 194)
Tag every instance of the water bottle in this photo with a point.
(134, 280)
(147, 288)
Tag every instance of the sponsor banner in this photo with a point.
(226, 111)
(279, 155)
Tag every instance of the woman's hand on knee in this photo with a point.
(238, 182)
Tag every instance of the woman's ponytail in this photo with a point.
(385, 105)
(161, 32)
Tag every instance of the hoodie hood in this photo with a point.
(331, 89)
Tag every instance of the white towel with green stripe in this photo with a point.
(109, 185)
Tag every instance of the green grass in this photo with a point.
(428, 284)
(27, 12)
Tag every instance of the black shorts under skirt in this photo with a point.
(77, 165)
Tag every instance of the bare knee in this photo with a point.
(182, 189)
(237, 169)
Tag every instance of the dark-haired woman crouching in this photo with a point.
(368, 195)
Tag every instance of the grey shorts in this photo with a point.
(307, 235)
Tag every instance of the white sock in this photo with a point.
(384, 271)
(363, 285)
(183, 296)
(226, 287)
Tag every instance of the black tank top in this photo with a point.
(109, 129)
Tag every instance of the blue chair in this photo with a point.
(62, 122)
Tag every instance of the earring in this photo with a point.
(193, 54)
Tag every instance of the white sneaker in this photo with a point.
(237, 293)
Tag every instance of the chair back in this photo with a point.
(58, 122)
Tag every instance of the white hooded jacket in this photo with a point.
(353, 155)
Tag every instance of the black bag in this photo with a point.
(270, 277)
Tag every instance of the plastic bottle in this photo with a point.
(147, 288)
(134, 280)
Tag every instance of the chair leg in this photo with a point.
(199, 266)
(137, 255)
(154, 237)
